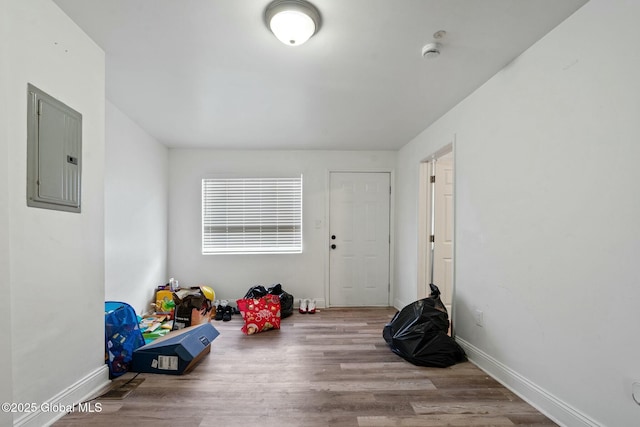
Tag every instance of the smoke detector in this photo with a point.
(431, 50)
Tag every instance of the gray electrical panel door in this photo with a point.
(54, 153)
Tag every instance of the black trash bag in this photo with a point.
(418, 333)
(256, 292)
(286, 300)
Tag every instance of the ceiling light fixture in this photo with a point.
(293, 22)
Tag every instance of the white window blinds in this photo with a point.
(252, 215)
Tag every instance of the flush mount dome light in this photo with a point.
(293, 22)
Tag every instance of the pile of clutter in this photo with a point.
(177, 308)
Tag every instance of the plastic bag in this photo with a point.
(122, 336)
(257, 291)
(418, 333)
(286, 300)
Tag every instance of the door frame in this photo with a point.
(425, 197)
(326, 229)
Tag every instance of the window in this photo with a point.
(252, 215)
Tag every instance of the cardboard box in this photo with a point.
(187, 316)
(177, 352)
(192, 308)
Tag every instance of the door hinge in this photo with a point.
(389, 189)
(432, 238)
(433, 179)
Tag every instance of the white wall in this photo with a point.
(6, 381)
(136, 192)
(302, 275)
(56, 258)
(547, 208)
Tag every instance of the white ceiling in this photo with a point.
(208, 73)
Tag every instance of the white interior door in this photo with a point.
(359, 239)
(443, 229)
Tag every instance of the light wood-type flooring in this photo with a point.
(331, 368)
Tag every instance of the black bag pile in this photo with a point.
(286, 299)
(418, 333)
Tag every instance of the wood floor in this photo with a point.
(332, 368)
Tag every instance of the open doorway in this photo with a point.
(436, 226)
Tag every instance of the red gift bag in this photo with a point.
(260, 314)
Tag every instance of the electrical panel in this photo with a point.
(54, 153)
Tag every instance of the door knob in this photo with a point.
(333, 237)
(333, 246)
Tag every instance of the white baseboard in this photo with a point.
(76, 393)
(557, 410)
